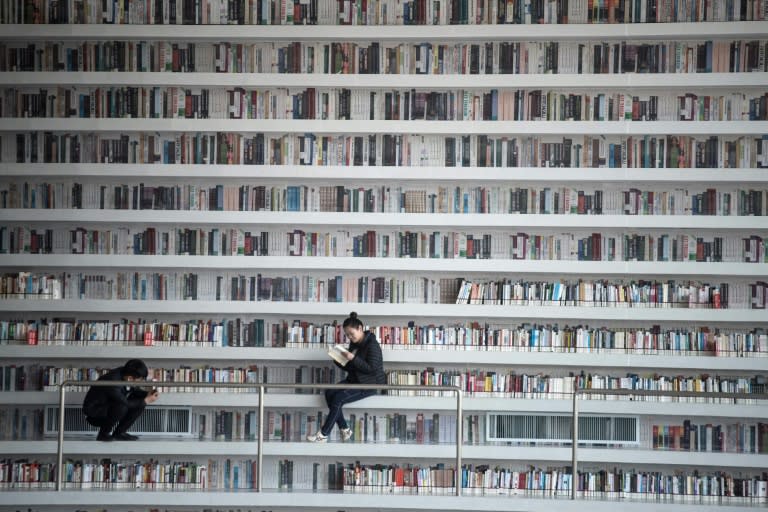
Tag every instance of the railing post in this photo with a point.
(60, 439)
(459, 439)
(260, 440)
(574, 443)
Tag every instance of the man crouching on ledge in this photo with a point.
(115, 408)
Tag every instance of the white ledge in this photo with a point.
(403, 220)
(373, 310)
(309, 500)
(107, 125)
(343, 174)
(448, 33)
(661, 81)
(727, 409)
(416, 354)
(457, 265)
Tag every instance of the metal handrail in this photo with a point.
(637, 392)
(454, 389)
(261, 387)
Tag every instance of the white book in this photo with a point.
(339, 354)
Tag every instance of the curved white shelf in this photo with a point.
(87, 445)
(386, 127)
(319, 500)
(661, 81)
(616, 456)
(448, 33)
(372, 310)
(644, 268)
(400, 356)
(163, 446)
(422, 403)
(404, 220)
(307, 174)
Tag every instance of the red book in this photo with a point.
(399, 477)
(596, 247)
(420, 428)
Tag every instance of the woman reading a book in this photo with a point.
(364, 364)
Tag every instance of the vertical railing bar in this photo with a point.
(260, 438)
(60, 438)
(574, 443)
(459, 440)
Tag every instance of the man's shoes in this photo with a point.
(103, 436)
(125, 436)
(317, 438)
(346, 434)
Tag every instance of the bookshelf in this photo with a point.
(386, 127)
(560, 363)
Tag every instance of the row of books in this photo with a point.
(510, 384)
(376, 104)
(422, 12)
(294, 426)
(735, 437)
(47, 378)
(170, 12)
(472, 336)
(437, 198)
(604, 293)
(484, 480)
(389, 199)
(662, 247)
(475, 382)
(228, 473)
(226, 148)
(21, 423)
(233, 286)
(375, 12)
(588, 56)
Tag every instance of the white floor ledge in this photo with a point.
(319, 501)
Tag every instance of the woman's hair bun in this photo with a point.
(353, 314)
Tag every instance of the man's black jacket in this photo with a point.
(97, 400)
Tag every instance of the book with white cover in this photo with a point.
(339, 354)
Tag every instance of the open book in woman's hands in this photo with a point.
(339, 354)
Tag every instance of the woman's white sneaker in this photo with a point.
(317, 438)
(346, 434)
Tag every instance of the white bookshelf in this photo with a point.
(437, 220)
(456, 33)
(659, 82)
(374, 310)
(442, 313)
(393, 354)
(402, 354)
(357, 264)
(179, 447)
(308, 500)
(385, 126)
(343, 174)
(417, 403)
